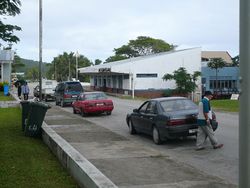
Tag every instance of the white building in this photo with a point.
(142, 76)
(6, 58)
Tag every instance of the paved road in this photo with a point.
(222, 163)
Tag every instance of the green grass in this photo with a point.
(5, 98)
(225, 105)
(25, 161)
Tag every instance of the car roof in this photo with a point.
(167, 98)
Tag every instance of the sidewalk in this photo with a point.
(97, 157)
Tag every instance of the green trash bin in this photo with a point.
(35, 119)
(25, 112)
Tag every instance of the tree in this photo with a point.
(141, 46)
(98, 62)
(64, 66)
(9, 8)
(216, 63)
(236, 61)
(32, 74)
(16, 63)
(185, 82)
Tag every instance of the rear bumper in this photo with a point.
(179, 131)
(98, 109)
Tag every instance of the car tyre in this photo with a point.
(83, 114)
(131, 127)
(74, 110)
(156, 136)
(62, 103)
(108, 113)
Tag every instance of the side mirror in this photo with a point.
(135, 110)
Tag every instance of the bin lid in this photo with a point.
(40, 104)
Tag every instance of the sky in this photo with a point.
(95, 27)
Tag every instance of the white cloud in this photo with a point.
(95, 28)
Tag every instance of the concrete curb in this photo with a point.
(7, 104)
(86, 174)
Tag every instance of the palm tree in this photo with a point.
(216, 63)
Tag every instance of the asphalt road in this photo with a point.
(222, 163)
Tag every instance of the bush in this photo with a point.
(3, 84)
(167, 93)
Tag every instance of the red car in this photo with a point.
(92, 103)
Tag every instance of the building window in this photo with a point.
(126, 76)
(146, 75)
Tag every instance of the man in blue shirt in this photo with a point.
(204, 127)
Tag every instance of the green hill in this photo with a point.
(28, 64)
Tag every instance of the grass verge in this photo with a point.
(5, 98)
(225, 105)
(25, 161)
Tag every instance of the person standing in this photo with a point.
(19, 90)
(25, 91)
(204, 127)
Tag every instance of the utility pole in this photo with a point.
(244, 118)
(40, 50)
(77, 65)
(69, 70)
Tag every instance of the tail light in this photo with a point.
(174, 122)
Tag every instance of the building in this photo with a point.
(207, 55)
(142, 76)
(6, 58)
(227, 77)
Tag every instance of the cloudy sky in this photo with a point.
(95, 27)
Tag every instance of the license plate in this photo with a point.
(74, 96)
(192, 131)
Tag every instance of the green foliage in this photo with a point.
(141, 46)
(9, 8)
(60, 66)
(167, 93)
(98, 62)
(185, 82)
(216, 63)
(2, 84)
(236, 61)
(28, 162)
(17, 63)
(32, 74)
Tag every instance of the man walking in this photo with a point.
(204, 127)
(25, 91)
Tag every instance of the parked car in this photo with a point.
(67, 92)
(92, 102)
(165, 118)
(48, 89)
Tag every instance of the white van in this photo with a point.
(48, 89)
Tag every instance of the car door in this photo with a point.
(149, 117)
(137, 117)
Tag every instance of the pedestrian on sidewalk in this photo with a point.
(204, 126)
(19, 90)
(25, 91)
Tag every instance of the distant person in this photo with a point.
(25, 91)
(19, 90)
(204, 127)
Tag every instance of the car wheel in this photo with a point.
(108, 113)
(156, 136)
(56, 102)
(83, 114)
(131, 127)
(62, 103)
(74, 110)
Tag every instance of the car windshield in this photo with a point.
(73, 87)
(178, 104)
(95, 96)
